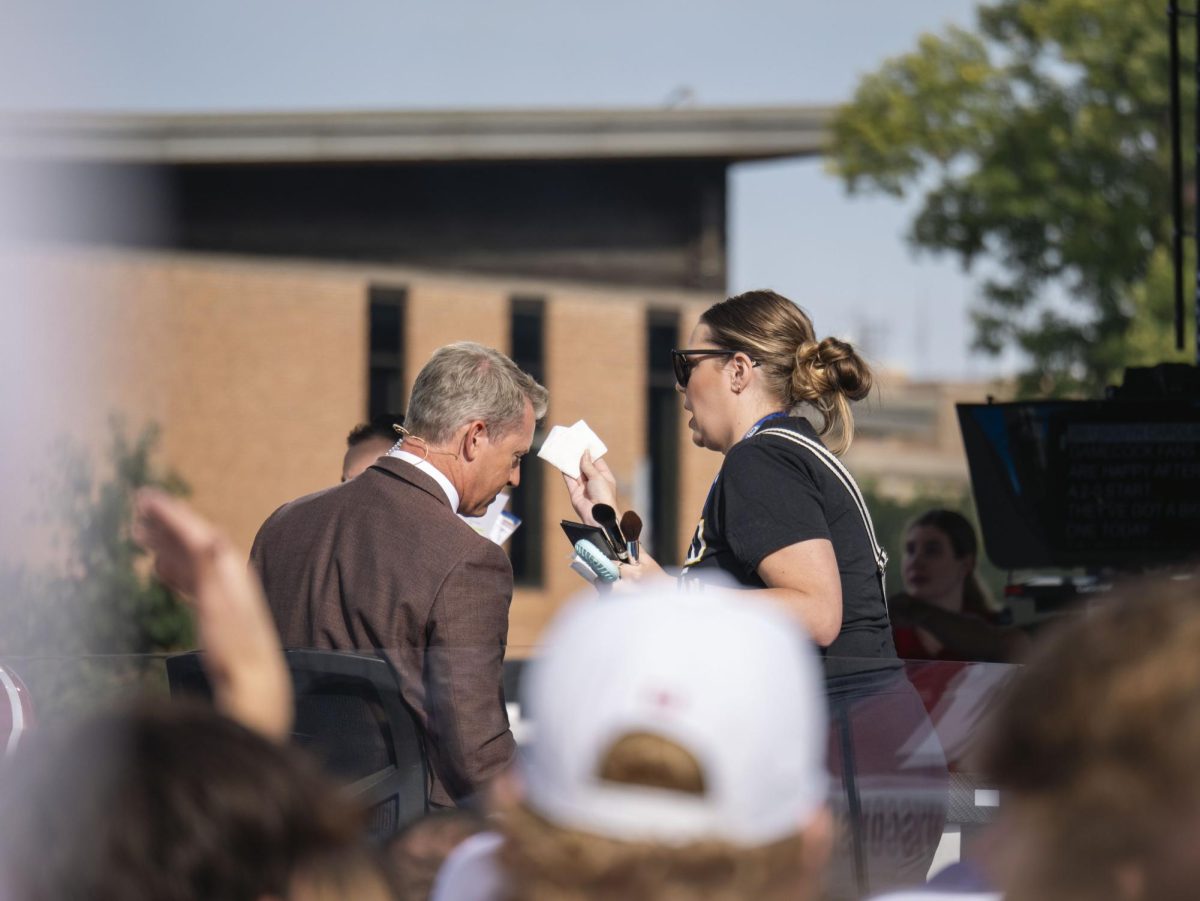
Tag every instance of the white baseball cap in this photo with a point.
(732, 680)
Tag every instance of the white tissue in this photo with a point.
(564, 447)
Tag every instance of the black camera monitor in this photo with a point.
(1085, 483)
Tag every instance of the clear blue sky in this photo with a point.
(791, 226)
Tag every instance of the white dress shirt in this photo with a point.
(430, 470)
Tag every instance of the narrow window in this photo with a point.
(662, 438)
(385, 359)
(527, 320)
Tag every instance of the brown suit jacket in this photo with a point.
(382, 562)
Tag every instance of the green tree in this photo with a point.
(1041, 142)
(60, 621)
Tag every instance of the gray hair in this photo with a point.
(466, 381)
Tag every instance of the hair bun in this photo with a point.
(848, 372)
(808, 354)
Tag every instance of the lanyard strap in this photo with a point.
(778, 414)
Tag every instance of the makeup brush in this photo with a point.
(631, 528)
(607, 517)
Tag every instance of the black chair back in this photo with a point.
(351, 717)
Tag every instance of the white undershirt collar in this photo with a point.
(430, 470)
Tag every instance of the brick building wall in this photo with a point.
(256, 369)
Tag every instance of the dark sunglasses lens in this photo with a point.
(682, 369)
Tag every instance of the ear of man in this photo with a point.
(474, 439)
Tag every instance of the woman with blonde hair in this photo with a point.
(785, 520)
(783, 516)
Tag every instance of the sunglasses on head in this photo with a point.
(683, 364)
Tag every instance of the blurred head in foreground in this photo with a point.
(417, 852)
(1096, 749)
(678, 753)
(171, 802)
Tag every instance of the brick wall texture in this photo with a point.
(255, 371)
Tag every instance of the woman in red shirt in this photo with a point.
(944, 612)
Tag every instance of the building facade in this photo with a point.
(257, 285)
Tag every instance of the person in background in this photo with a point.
(368, 441)
(660, 770)
(944, 612)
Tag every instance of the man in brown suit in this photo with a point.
(382, 561)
